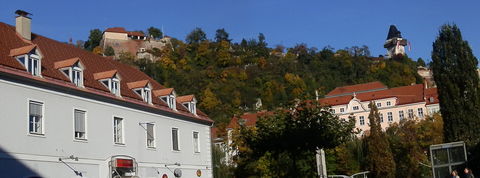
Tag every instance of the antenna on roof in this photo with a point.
(163, 33)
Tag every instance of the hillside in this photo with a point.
(228, 78)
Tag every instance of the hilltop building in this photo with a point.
(67, 112)
(135, 43)
(395, 44)
(427, 75)
(394, 104)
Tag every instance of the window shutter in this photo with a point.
(35, 109)
(79, 121)
(150, 131)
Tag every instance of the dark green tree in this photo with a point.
(222, 35)
(196, 36)
(109, 51)
(421, 62)
(93, 39)
(283, 144)
(155, 32)
(380, 160)
(454, 70)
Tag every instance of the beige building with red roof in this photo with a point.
(394, 104)
(133, 42)
(67, 112)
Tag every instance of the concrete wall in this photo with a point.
(38, 154)
(115, 36)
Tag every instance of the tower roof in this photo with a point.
(393, 32)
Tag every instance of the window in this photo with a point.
(150, 135)
(35, 117)
(420, 112)
(77, 76)
(31, 63)
(362, 120)
(145, 93)
(355, 108)
(175, 139)
(74, 73)
(390, 116)
(118, 130)
(379, 104)
(170, 100)
(389, 103)
(381, 117)
(196, 143)
(410, 113)
(191, 107)
(79, 121)
(342, 110)
(113, 84)
(401, 116)
(332, 111)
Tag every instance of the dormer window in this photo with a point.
(110, 79)
(73, 69)
(142, 89)
(29, 57)
(145, 93)
(168, 96)
(189, 102)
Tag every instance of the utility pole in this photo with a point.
(321, 166)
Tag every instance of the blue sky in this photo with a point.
(338, 23)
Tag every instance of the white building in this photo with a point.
(394, 104)
(66, 112)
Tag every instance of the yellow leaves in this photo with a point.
(203, 49)
(224, 75)
(168, 63)
(262, 63)
(209, 100)
(98, 50)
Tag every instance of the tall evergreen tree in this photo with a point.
(454, 70)
(155, 32)
(222, 35)
(196, 36)
(380, 160)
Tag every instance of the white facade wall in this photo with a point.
(23, 154)
(384, 109)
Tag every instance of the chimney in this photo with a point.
(23, 24)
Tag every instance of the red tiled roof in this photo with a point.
(404, 95)
(249, 118)
(431, 94)
(137, 84)
(162, 92)
(22, 50)
(53, 51)
(116, 30)
(66, 63)
(104, 75)
(356, 88)
(187, 98)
